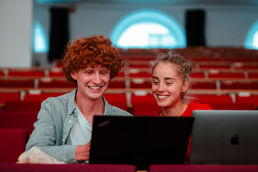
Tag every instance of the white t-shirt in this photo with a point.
(81, 131)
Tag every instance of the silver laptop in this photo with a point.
(225, 137)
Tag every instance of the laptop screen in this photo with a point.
(140, 141)
(225, 137)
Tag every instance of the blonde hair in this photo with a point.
(184, 68)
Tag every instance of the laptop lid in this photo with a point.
(224, 137)
(139, 141)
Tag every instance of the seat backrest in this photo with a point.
(13, 142)
(66, 167)
(18, 119)
(202, 168)
(22, 106)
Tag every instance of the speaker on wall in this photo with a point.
(59, 32)
(195, 27)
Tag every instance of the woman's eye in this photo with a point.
(155, 82)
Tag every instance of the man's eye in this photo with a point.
(104, 72)
(169, 83)
(88, 72)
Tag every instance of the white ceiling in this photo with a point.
(161, 2)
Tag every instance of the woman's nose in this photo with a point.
(160, 87)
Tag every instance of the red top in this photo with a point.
(195, 106)
(188, 113)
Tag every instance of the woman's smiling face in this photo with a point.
(167, 84)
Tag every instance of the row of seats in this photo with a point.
(206, 71)
(10, 167)
(138, 103)
(133, 83)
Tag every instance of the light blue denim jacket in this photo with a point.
(55, 120)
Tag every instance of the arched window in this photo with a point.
(40, 39)
(148, 29)
(252, 37)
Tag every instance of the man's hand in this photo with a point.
(83, 152)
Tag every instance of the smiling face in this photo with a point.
(167, 85)
(91, 81)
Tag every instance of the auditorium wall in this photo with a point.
(226, 25)
(16, 33)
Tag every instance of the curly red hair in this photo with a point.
(95, 50)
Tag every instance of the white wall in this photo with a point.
(225, 25)
(15, 33)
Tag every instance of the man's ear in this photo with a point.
(74, 75)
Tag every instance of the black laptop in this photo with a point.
(140, 141)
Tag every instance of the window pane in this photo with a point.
(40, 43)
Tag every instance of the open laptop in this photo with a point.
(139, 141)
(225, 137)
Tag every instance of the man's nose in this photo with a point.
(96, 78)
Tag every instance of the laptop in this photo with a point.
(224, 137)
(139, 141)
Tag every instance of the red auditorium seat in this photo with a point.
(210, 98)
(17, 83)
(145, 66)
(1, 73)
(239, 85)
(230, 75)
(18, 119)
(13, 142)
(232, 106)
(253, 75)
(197, 75)
(26, 73)
(147, 58)
(221, 102)
(120, 74)
(116, 84)
(249, 99)
(118, 100)
(144, 105)
(203, 85)
(218, 67)
(55, 84)
(40, 97)
(22, 106)
(59, 64)
(247, 67)
(140, 83)
(140, 74)
(56, 73)
(203, 168)
(12, 96)
(11, 167)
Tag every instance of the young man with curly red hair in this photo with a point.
(64, 125)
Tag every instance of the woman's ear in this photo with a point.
(185, 86)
